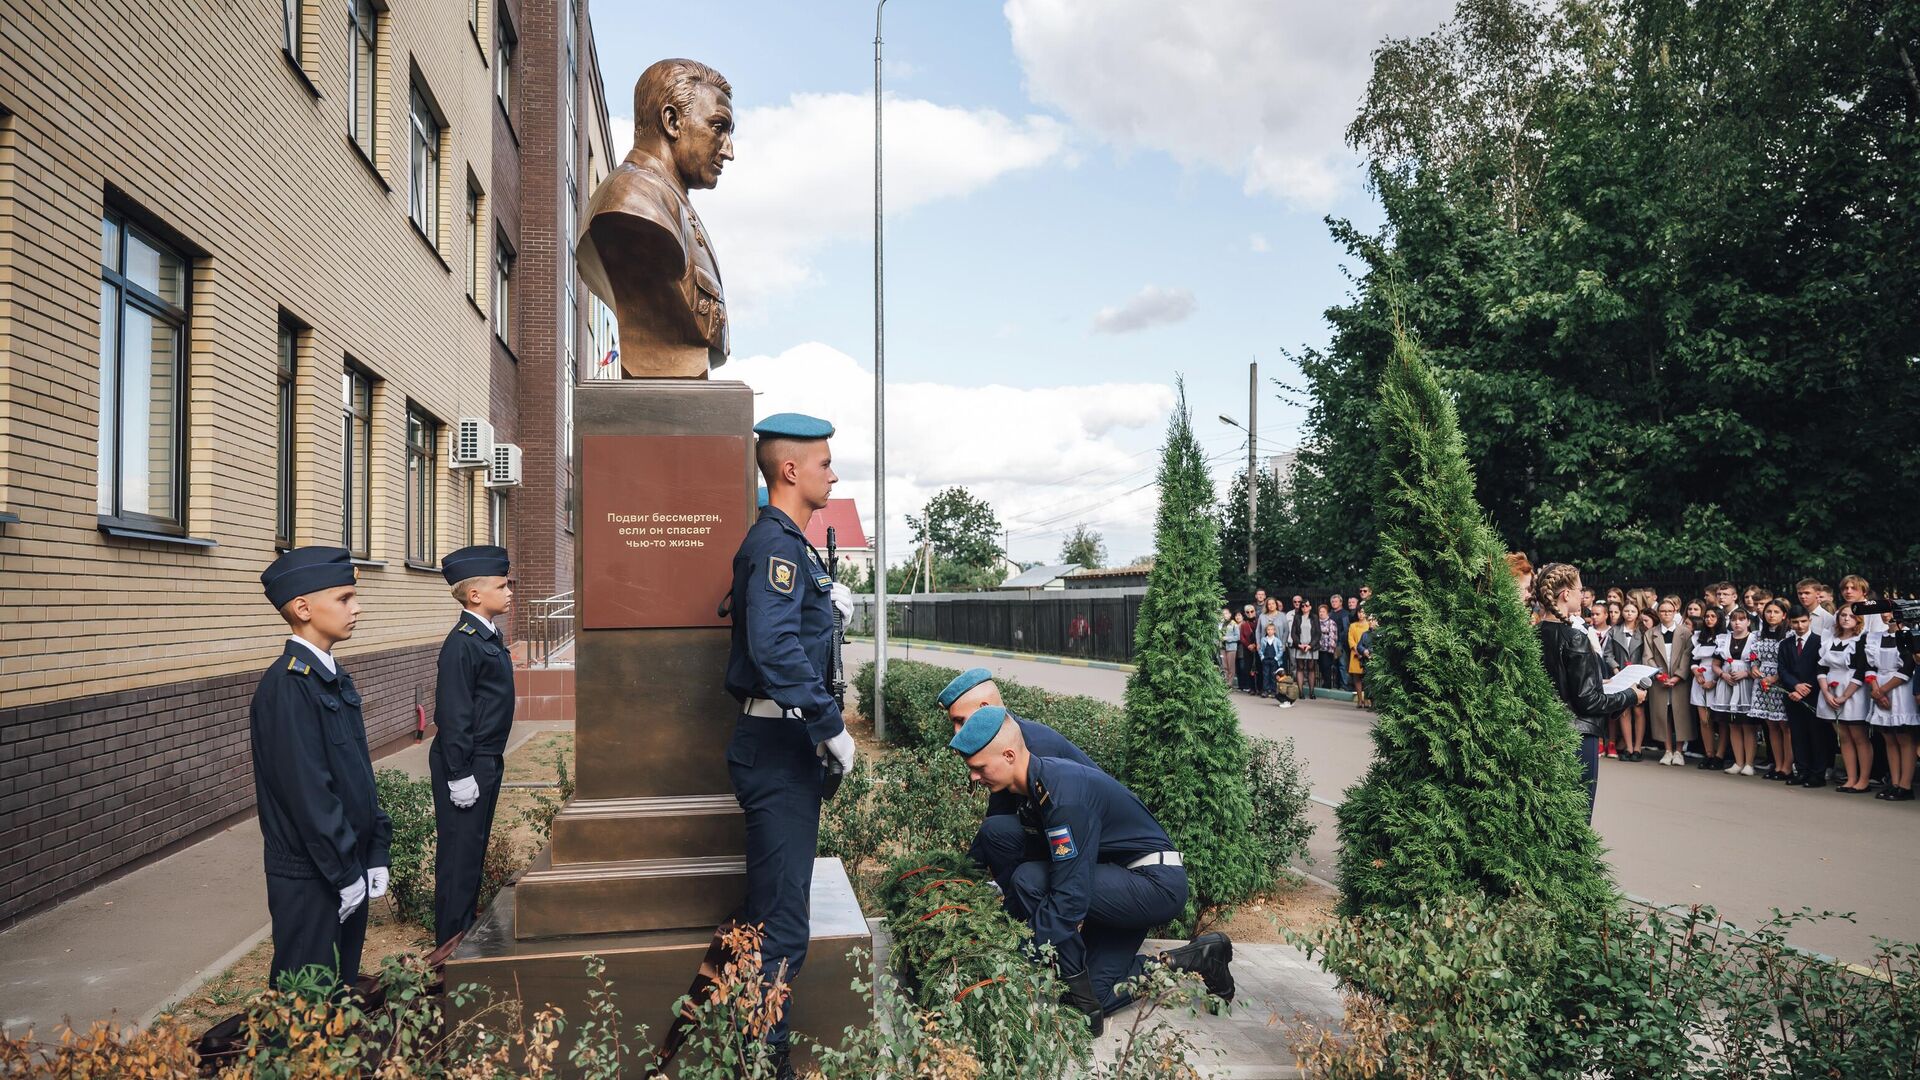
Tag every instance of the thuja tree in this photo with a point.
(1475, 784)
(1186, 758)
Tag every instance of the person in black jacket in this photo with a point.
(1573, 664)
(472, 714)
(1799, 660)
(326, 836)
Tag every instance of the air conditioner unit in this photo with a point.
(473, 444)
(505, 471)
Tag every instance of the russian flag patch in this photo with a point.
(1060, 843)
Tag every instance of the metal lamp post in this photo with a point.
(879, 410)
(1252, 425)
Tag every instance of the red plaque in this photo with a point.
(660, 519)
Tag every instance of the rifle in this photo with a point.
(836, 662)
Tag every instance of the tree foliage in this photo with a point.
(1084, 547)
(1279, 556)
(1660, 255)
(963, 530)
(1186, 756)
(1475, 786)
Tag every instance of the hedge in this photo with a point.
(916, 720)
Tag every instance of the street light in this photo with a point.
(879, 410)
(1253, 405)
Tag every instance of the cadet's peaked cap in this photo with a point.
(962, 683)
(793, 425)
(480, 560)
(979, 730)
(304, 570)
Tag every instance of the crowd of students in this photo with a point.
(1297, 649)
(1754, 684)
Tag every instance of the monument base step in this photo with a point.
(622, 830)
(626, 897)
(649, 971)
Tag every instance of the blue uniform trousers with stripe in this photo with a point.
(1125, 905)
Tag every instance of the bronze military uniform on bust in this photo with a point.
(643, 249)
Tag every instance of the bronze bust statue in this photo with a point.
(643, 249)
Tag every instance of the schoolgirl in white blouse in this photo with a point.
(1736, 669)
(1844, 698)
(1896, 712)
(1706, 680)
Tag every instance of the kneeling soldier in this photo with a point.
(1003, 842)
(473, 714)
(326, 837)
(1110, 873)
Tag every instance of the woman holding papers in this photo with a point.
(1574, 666)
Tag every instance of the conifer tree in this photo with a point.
(1475, 784)
(1186, 757)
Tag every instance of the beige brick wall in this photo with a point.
(191, 110)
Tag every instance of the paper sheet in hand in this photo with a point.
(1628, 677)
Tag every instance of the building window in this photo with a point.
(363, 36)
(356, 471)
(423, 200)
(503, 290)
(423, 440)
(497, 518)
(143, 377)
(463, 490)
(290, 27)
(504, 42)
(476, 251)
(288, 414)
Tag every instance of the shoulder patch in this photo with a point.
(298, 666)
(466, 628)
(780, 574)
(1060, 843)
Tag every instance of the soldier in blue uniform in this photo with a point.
(326, 836)
(789, 733)
(473, 714)
(1004, 841)
(1109, 874)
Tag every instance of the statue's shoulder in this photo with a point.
(641, 192)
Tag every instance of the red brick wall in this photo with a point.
(91, 784)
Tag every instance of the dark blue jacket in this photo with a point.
(1086, 817)
(1798, 665)
(312, 777)
(473, 700)
(783, 624)
(1042, 741)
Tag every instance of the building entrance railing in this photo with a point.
(550, 630)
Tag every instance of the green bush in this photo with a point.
(409, 802)
(1478, 987)
(1280, 798)
(915, 718)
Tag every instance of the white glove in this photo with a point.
(843, 600)
(376, 883)
(840, 749)
(352, 897)
(465, 791)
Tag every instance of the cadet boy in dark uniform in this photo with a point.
(789, 733)
(326, 838)
(1003, 841)
(473, 712)
(1110, 873)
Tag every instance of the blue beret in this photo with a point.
(979, 730)
(793, 425)
(760, 500)
(480, 560)
(304, 570)
(962, 683)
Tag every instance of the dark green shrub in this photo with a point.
(1475, 784)
(1186, 756)
(1280, 798)
(409, 802)
(915, 718)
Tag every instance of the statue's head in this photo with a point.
(689, 107)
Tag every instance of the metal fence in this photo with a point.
(1095, 624)
(549, 629)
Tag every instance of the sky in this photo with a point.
(1086, 200)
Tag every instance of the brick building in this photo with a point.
(551, 147)
(256, 260)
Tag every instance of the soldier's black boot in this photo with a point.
(1209, 956)
(1080, 995)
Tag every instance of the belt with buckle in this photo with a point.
(768, 708)
(1158, 858)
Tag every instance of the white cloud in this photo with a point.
(1261, 89)
(803, 177)
(1044, 457)
(1151, 306)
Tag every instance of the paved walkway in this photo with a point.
(131, 947)
(1674, 836)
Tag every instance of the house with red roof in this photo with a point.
(850, 538)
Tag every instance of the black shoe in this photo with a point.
(783, 1063)
(1813, 781)
(1209, 956)
(1902, 794)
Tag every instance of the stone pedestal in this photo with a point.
(648, 856)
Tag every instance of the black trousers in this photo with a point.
(1590, 770)
(779, 782)
(307, 929)
(1812, 740)
(460, 849)
(1125, 905)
